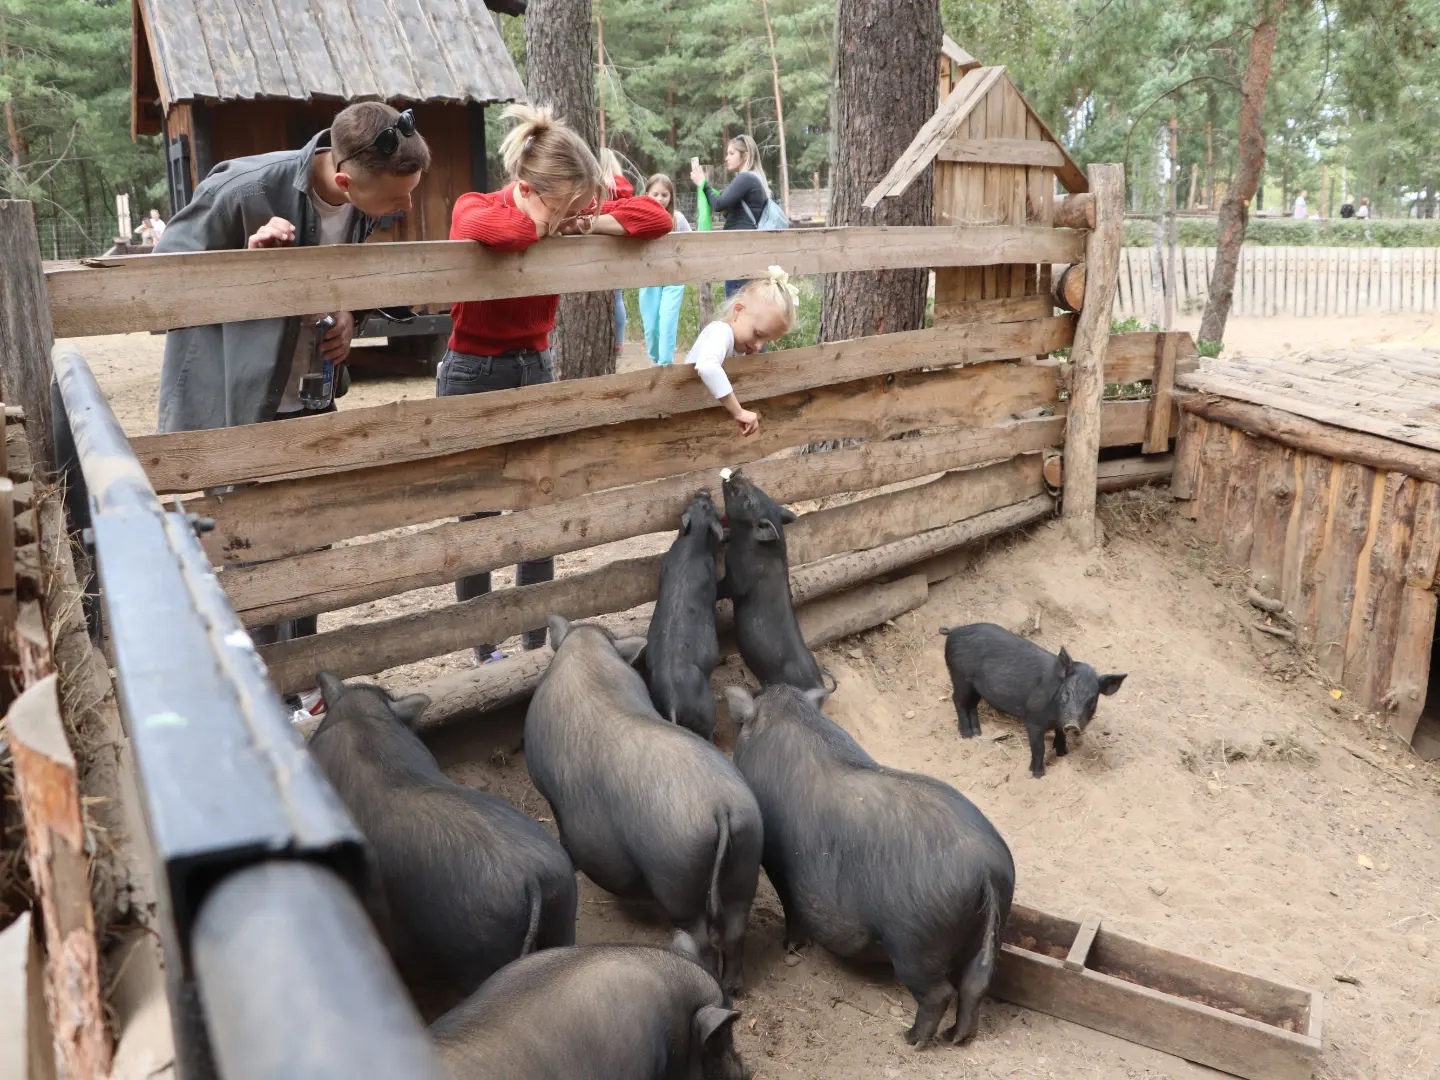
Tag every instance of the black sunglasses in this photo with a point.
(388, 141)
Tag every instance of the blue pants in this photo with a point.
(660, 314)
(619, 318)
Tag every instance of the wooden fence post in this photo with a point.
(1087, 357)
(1162, 394)
(26, 330)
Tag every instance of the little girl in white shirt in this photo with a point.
(762, 311)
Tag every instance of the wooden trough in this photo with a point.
(1322, 475)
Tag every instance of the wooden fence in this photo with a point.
(1303, 281)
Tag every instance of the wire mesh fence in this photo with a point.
(73, 238)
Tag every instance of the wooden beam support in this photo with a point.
(1315, 437)
(1118, 474)
(26, 333)
(46, 779)
(1162, 394)
(1035, 153)
(1131, 357)
(1087, 387)
(162, 292)
(1076, 211)
(1068, 291)
(417, 428)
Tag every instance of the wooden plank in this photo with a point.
(1084, 939)
(1087, 356)
(1305, 543)
(25, 1044)
(1410, 665)
(268, 520)
(1002, 309)
(1338, 565)
(996, 151)
(1420, 562)
(1237, 535)
(882, 521)
(1128, 1004)
(1187, 455)
(26, 334)
(1208, 504)
(48, 786)
(162, 292)
(343, 577)
(415, 428)
(1374, 623)
(1275, 501)
(1157, 436)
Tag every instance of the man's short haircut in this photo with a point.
(354, 130)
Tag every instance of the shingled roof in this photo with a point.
(411, 50)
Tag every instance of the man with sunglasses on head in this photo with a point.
(330, 191)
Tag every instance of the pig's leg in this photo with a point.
(1037, 751)
(1061, 749)
(967, 710)
(732, 948)
(930, 986)
(796, 936)
(973, 985)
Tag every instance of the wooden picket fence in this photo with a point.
(1303, 281)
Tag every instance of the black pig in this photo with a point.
(757, 579)
(469, 882)
(645, 808)
(873, 862)
(682, 648)
(597, 1012)
(1018, 677)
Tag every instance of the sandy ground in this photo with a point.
(1223, 804)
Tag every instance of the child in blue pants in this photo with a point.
(660, 304)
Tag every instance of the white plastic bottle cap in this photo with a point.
(725, 474)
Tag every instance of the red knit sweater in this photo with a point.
(491, 327)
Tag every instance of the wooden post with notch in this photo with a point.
(26, 330)
(1162, 394)
(1087, 357)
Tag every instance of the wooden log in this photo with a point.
(1187, 456)
(831, 618)
(1131, 357)
(1076, 211)
(26, 330)
(1410, 664)
(1237, 535)
(1087, 388)
(1370, 646)
(1162, 393)
(1274, 501)
(1208, 504)
(365, 648)
(1117, 474)
(1304, 541)
(1338, 564)
(268, 520)
(25, 1045)
(1068, 290)
(163, 292)
(416, 428)
(46, 780)
(1424, 553)
(9, 604)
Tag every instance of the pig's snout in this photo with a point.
(1072, 731)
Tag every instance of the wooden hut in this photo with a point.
(1322, 474)
(996, 163)
(228, 80)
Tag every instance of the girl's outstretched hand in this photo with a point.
(749, 422)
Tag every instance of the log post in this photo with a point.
(1087, 385)
(26, 330)
(1075, 211)
(1069, 289)
(1162, 394)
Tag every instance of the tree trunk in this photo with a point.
(885, 89)
(1234, 214)
(560, 62)
(779, 111)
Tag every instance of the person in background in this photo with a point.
(1300, 213)
(761, 311)
(555, 189)
(1363, 210)
(146, 231)
(617, 187)
(747, 192)
(660, 304)
(157, 227)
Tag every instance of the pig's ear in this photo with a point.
(817, 696)
(331, 689)
(742, 705)
(1064, 663)
(787, 515)
(718, 530)
(559, 630)
(766, 532)
(410, 708)
(685, 523)
(710, 1020)
(1110, 683)
(630, 648)
(684, 944)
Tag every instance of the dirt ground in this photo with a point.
(1223, 803)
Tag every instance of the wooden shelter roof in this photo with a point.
(1390, 391)
(393, 50)
(936, 134)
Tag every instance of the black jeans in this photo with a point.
(460, 373)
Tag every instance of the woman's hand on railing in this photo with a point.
(598, 225)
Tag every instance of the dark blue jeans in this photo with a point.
(460, 373)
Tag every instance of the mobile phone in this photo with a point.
(694, 163)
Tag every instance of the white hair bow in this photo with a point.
(781, 278)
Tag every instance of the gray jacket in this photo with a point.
(230, 374)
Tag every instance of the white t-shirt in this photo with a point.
(157, 227)
(712, 348)
(1300, 207)
(1363, 211)
(334, 229)
(681, 225)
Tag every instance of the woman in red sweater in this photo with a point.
(555, 189)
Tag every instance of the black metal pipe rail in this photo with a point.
(227, 786)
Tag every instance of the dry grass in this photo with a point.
(1136, 512)
(1282, 746)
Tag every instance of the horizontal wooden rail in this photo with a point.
(429, 427)
(162, 292)
(1131, 357)
(343, 577)
(365, 648)
(290, 516)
